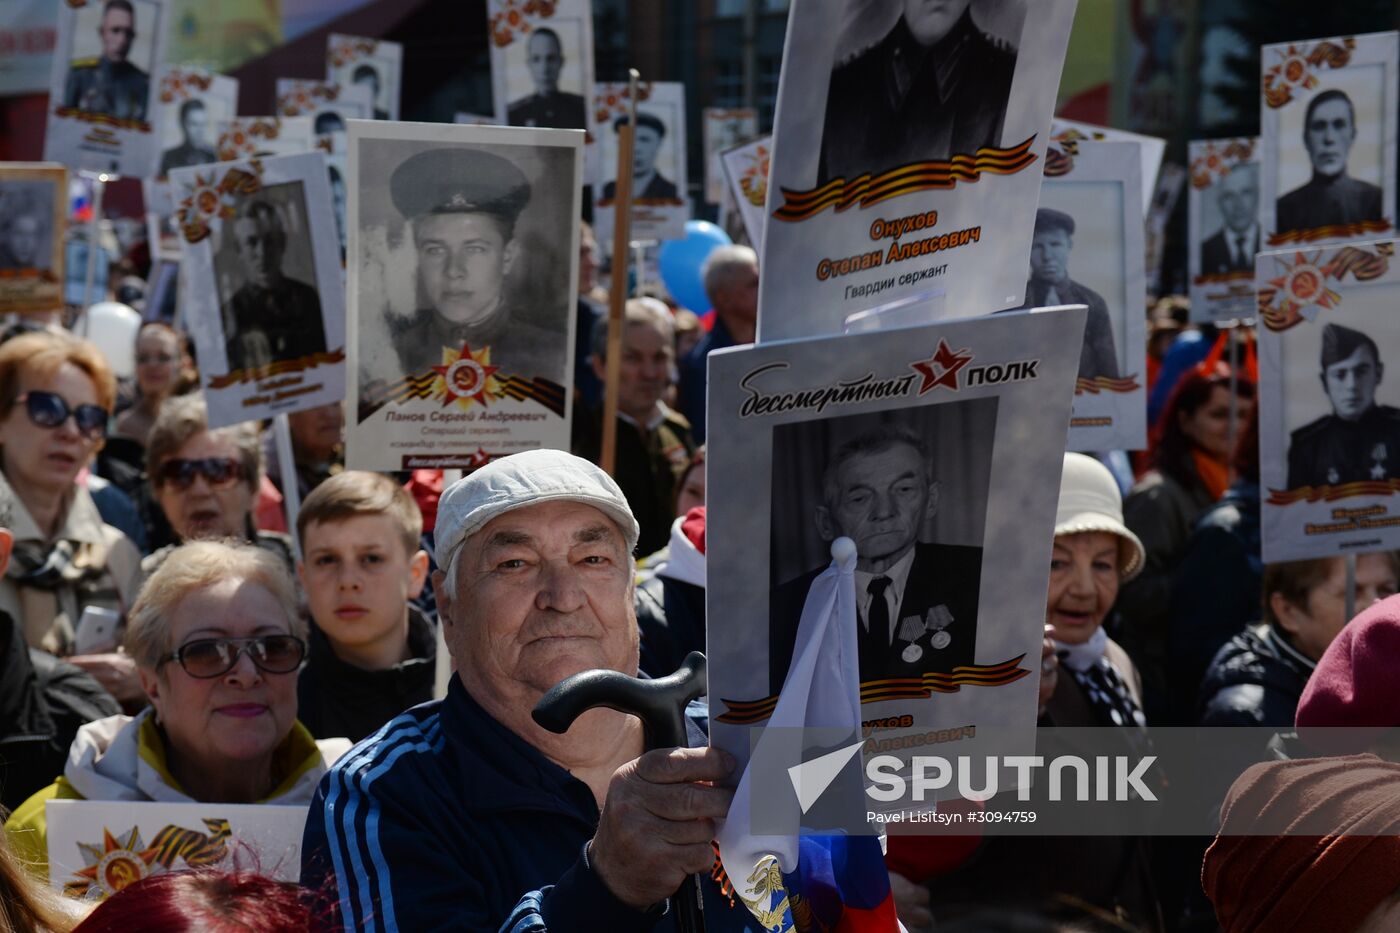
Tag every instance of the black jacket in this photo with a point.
(337, 699)
(671, 615)
(1255, 680)
(43, 701)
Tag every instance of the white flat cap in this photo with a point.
(1090, 501)
(522, 479)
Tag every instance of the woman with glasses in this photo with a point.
(56, 396)
(206, 481)
(218, 642)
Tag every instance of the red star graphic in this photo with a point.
(950, 362)
(478, 390)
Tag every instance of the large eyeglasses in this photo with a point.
(218, 471)
(214, 657)
(48, 410)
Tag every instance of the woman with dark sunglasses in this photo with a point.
(56, 396)
(206, 481)
(218, 641)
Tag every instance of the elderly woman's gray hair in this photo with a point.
(190, 568)
(182, 417)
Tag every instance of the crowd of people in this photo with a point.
(168, 633)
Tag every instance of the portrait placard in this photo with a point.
(98, 847)
(746, 169)
(1087, 249)
(660, 207)
(1223, 235)
(193, 105)
(542, 63)
(102, 95)
(878, 195)
(463, 267)
(1329, 423)
(266, 302)
(374, 64)
(329, 105)
(1327, 140)
(33, 210)
(959, 428)
(723, 128)
(261, 137)
(1066, 134)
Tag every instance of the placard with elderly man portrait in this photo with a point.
(927, 448)
(461, 256)
(1329, 409)
(660, 204)
(1223, 234)
(1328, 125)
(266, 299)
(33, 208)
(102, 93)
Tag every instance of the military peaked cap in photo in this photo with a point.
(1340, 342)
(459, 181)
(643, 119)
(1047, 218)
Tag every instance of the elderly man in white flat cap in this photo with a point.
(464, 814)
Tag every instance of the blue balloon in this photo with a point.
(681, 261)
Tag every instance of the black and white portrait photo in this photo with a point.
(1232, 246)
(1360, 440)
(196, 146)
(327, 105)
(935, 85)
(26, 225)
(369, 76)
(374, 65)
(266, 276)
(546, 104)
(1332, 194)
(1052, 283)
(542, 64)
(112, 61)
(910, 489)
(33, 205)
(1328, 126)
(648, 181)
(722, 129)
(261, 287)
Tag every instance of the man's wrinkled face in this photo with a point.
(880, 500)
(646, 142)
(117, 31)
(545, 59)
(23, 240)
(930, 20)
(261, 242)
(196, 127)
(1329, 135)
(537, 595)
(1239, 198)
(648, 356)
(463, 260)
(1050, 251)
(1351, 383)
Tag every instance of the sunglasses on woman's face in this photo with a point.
(48, 410)
(213, 657)
(219, 472)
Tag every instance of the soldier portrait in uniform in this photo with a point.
(366, 75)
(26, 235)
(271, 312)
(910, 489)
(196, 138)
(1360, 440)
(1332, 195)
(547, 106)
(1050, 284)
(935, 86)
(110, 82)
(1232, 247)
(648, 184)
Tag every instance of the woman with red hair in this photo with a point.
(207, 902)
(1193, 442)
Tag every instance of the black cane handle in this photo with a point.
(660, 705)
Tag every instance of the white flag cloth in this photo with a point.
(822, 690)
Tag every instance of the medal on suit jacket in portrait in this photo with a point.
(102, 89)
(1328, 128)
(462, 246)
(1329, 408)
(894, 441)
(906, 157)
(265, 285)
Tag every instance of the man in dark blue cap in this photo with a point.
(462, 206)
(647, 183)
(1050, 285)
(1360, 440)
